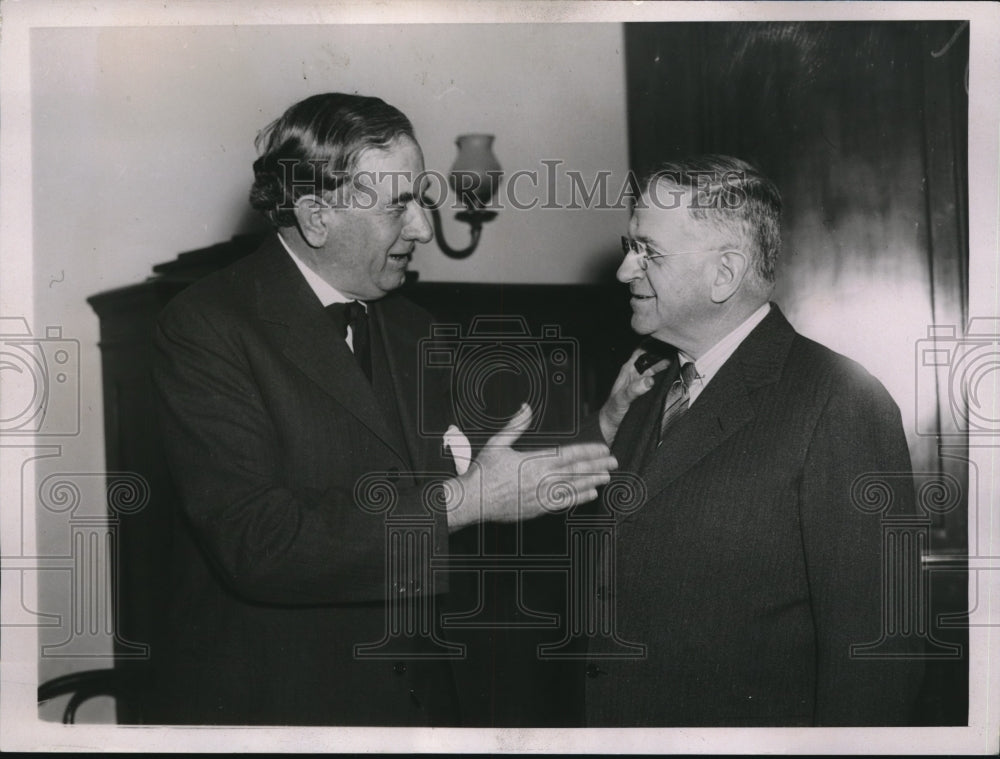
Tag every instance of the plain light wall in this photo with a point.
(143, 144)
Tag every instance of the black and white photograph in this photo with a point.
(497, 378)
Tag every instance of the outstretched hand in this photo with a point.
(504, 485)
(629, 385)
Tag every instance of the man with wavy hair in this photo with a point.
(286, 381)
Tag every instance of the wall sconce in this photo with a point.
(475, 178)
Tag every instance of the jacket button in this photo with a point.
(593, 670)
(399, 667)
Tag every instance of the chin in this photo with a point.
(639, 326)
(393, 283)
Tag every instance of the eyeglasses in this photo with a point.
(644, 251)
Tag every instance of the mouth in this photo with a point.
(401, 258)
(640, 296)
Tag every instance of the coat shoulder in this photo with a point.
(218, 297)
(817, 367)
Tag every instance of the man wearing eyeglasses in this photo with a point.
(748, 573)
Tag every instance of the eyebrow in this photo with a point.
(404, 197)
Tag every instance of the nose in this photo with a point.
(629, 270)
(418, 226)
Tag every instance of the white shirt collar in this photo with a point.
(326, 292)
(709, 364)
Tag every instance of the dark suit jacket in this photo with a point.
(269, 425)
(748, 572)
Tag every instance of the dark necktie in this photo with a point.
(354, 315)
(676, 402)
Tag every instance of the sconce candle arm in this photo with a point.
(474, 218)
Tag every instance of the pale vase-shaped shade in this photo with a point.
(475, 175)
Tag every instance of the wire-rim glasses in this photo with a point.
(644, 251)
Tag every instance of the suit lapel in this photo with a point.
(399, 350)
(723, 407)
(308, 339)
(718, 412)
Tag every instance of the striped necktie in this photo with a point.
(676, 401)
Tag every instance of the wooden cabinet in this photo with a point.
(133, 444)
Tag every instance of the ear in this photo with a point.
(312, 222)
(731, 268)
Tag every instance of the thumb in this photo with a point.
(639, 387)
(513, 429)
